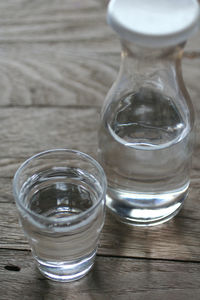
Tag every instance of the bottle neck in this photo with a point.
(158, 66)
(133, 50)
(155, 70)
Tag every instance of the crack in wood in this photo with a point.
(12, 268)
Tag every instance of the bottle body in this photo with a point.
(146, 139)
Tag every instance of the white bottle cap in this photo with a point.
(154, 23)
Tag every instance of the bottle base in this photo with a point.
(150, 209)
(66, 271)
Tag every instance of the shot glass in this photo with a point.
(60, 197)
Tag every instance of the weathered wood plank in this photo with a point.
(73, 22)
(53, 76)
(38, 65)
(25, 131)
(61, 53)
(111, 278)
(176, 240)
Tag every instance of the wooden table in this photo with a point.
(58, 58)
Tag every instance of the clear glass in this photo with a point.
(60, 196)
(146, 136)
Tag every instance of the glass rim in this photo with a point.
(64, 219)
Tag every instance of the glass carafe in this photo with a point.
(146, 135)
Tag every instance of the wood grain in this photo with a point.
(65, 22)
(62, 53)
(47, 77)
(111, 278)
(52, 21)
(53, 76)
(29, 130)
(58, 59)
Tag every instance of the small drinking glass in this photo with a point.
(60, 196)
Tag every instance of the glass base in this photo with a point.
(66, 271)
(145, 210)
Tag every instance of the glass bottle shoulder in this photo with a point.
(146, 117)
